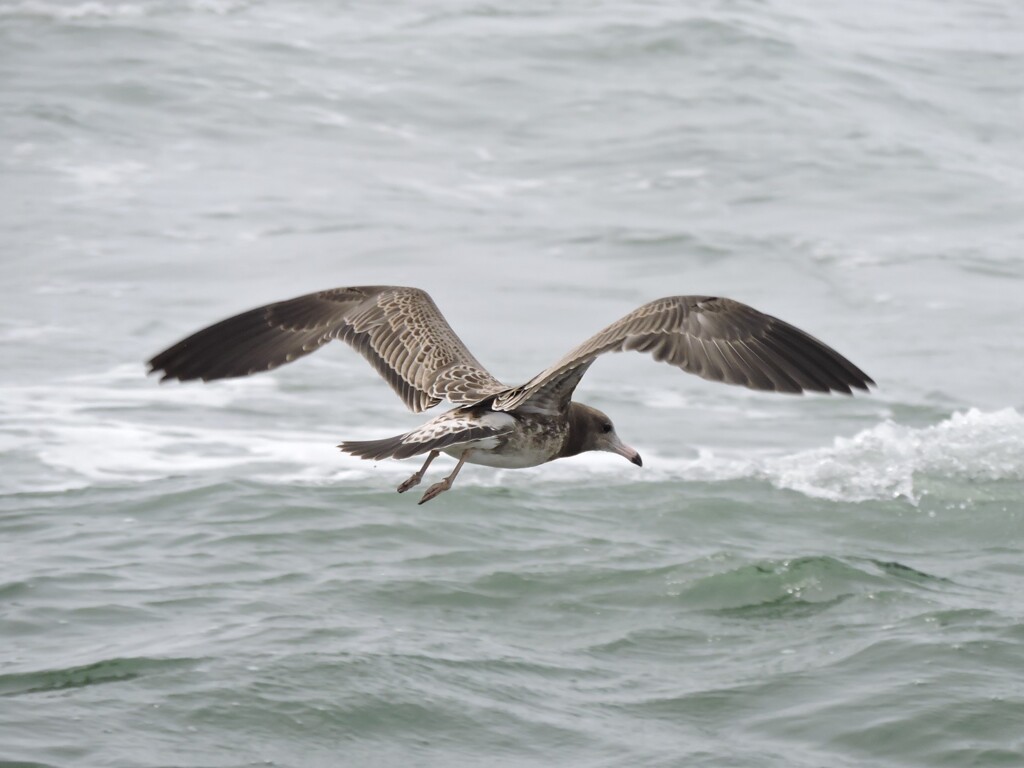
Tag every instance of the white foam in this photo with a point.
(889, 459)
(91, 427)
(100, 428)
(886, 461)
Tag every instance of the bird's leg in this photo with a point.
(445, 484)
(417, 476)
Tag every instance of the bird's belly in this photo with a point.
(525, 448)
(501, 460)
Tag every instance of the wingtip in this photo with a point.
(156, 366)
(864, 384)
(155, 369)
(161, 372)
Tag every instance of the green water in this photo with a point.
(712, 624)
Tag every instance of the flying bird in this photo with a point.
(404, 336)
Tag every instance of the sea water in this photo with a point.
(194, 575)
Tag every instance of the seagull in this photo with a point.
(404, 336)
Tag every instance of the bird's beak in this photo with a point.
(617, 446)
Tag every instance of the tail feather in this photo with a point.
(402, 447)
(388, 448)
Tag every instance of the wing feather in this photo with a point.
(400, 331)
(713, 337)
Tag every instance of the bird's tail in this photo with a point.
(388, 448)
(416, 442)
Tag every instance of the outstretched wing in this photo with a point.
(716, 338)
(399, 330)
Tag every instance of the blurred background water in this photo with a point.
(194, 576)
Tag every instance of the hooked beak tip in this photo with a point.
(629, 453)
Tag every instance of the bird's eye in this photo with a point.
(606, 428)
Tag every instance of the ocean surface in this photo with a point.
(193, 575)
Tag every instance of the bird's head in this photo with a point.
(592, 430)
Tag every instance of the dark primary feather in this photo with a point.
(400, 331)
(716, 338)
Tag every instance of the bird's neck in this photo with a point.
(575, 441)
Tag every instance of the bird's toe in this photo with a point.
(433, 491)
(411, 482)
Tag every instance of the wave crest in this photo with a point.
(890, 460)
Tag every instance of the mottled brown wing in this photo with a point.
(716, 338)
(399, 330)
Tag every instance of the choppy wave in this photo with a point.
(229, 588)
(114, 670)
(888, 460)
(799, 585)
(91, 432)
(893, 460)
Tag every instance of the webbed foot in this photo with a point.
(435, 489)
(418, 475)
(411, 482)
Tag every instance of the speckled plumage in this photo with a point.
(403, 335)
